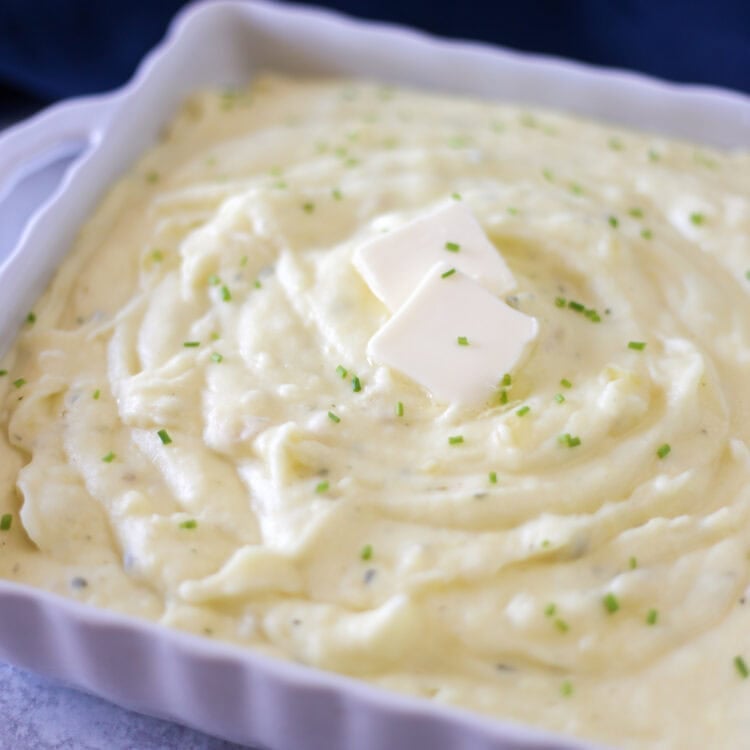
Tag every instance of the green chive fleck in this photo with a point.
(610, 603)
(560, 301)
(226, 295)
(191, 344)
(214, 280)
(109, 458)
(456, 196)
(191, 523)
(321, 487)
(577, 306)
(6, 522)
(308, 207)
(3, 373)
(647, 234)
(741, 667)
(157, 256)
(493, 477)
(572, 441)
(333, 417)
(566, 689)
(506, 380)
(663, 450)
(550, 610)
(19, 383)
(523, 410)
(565, 383)
(636, 213)
(31, 318)
(639, 346)
(614, 222)
(366, 553)
(341, 371)
(356, 384)
(503, 396)
(559, 398)
(633, 563)
(95, 395)
(652, 617)
(337, 194)
(452, 247)
(448, 273)
(164, 437)
(399, 409)
(216, 357)
(462, 341)
(697, 219)
(561, 625)
(455, 439)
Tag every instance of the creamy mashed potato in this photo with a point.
(192, 433)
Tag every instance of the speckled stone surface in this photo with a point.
(38, 714)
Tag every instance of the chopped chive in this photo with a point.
(614, 222)
(257, 284)
(95, 395)
(215, 336)
(157, 256)
(31, 318)
(341, 371)
(550, 610)
(321, 487)
(636, 213)
(456, 196)
(523, 410)
(455, 439)
(336, 193)
(663, 450)
(243, 261)
(593, 316)
(333, 417)
(503, 396)
(308, 207)
(610, 603)
(615, 144)
(493, 477)
(214, 280)
(506, 380)
(741, 667)
(191, 523)
(577, 306)
(565, 383)
(19, 383)
(697, 219)
(559, 398)
(356, 384)
(639, 346)
(633, 563)
(576, 189)
(560, 301)
(747, 274)
(226, 295)
(572, 441)
(512, 211)
(561, 625)
(462, 341)
(216, 357)
(548, 175)
(647, 234)
(652, 617)
(3, 373)
(164, 437)
(566, 689)
(191, 344)
(452, 247)
(448, 273)
(366, 553)
(152, 177)
(399, 409)
(109, 458)
(6, 522)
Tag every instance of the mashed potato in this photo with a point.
(192, 432)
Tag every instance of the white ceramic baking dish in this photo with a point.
(221, 689)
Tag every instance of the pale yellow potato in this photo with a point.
(371, 545)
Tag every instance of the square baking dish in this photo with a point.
(224, 690)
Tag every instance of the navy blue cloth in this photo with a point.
(57, 48)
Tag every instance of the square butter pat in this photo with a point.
(453, 337)
(393, 265)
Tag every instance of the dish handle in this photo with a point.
(62, 131)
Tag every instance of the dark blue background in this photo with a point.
(56, 48)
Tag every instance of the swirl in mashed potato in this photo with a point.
(182, 441)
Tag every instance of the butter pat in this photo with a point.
(453, 337)
(394, 264)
